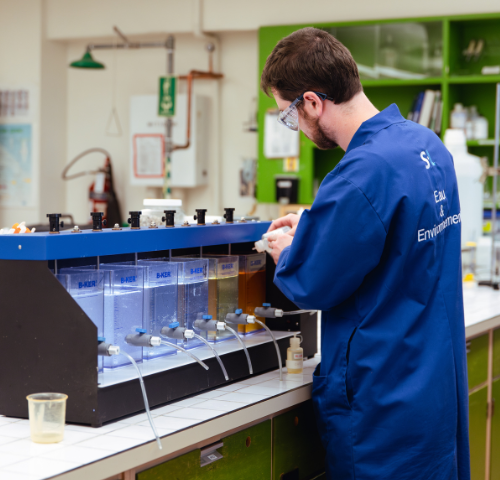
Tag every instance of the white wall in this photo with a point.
(38, 38)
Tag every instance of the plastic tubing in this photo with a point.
(146, 403)
(298, 312)
(199, 337)
(275, 346)
(244, 348)
(194, 357)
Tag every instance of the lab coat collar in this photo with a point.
(373, 125)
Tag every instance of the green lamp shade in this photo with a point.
(86, 62)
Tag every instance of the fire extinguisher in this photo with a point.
(102, 196)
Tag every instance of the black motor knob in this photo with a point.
(229, 215)
(169, 218)
(135, 220)
(200, 215)
(54, 222)
(97, 221)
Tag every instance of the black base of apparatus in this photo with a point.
(48, 344)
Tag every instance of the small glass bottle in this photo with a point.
(295, 356)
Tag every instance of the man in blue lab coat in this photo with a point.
(379, 254)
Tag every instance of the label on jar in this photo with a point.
(294, 364)
(297, 356)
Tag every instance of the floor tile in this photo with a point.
(212, 394)
(78, 454)
(140, 432)
(172, 423)
(15, 430)
(258, 390)
(28, 448)
(113, 444)
(283, 386)
(95, 431)
(261, 378)
(189, 402)
(4, 440)
(17, 476)
(5, 420)
(194, 413)
(231, 388)
(10, 458)
(164, 410)
(71, 437)
(41, 467)
(220, 405)
(246, 398)
(135, 419)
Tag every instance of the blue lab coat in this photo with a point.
(379, 254)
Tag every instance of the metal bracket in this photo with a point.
(209, 454)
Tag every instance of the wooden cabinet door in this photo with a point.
(495, 433)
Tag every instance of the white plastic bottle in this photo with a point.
(470, 189)
(480, 128)
(263, 244)
(458, 116)
(295, 356)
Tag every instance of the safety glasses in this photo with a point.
(290, 117)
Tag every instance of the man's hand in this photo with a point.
(291, 220)
(278, 243)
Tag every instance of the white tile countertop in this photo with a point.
(99, 453)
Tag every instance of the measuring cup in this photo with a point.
(47, 412)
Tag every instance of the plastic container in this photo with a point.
(263, 244)
(295, 356)
(123, 310)
(153, 211)
(192, 294)
(470, 189)
(47, 414)
(251, 287)
(160, 301)
(458, 116)
(480, 128)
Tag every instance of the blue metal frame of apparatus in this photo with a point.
(66, 244)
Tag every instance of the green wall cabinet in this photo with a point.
(495, 433)
(296, 444)
(496, 353)
(477, 361)
(246, 456)
(396, 58)
(477, 433)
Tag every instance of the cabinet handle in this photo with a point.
(467, 347)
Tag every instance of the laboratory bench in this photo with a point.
(255, 428)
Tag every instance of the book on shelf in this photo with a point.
(427, 109)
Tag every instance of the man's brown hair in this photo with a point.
(311, 60)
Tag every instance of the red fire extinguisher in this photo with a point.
(102, 196)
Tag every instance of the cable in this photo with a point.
(81, 155)
(199, 337)
(298, 312)
(146, 403)
(244, 348)
(194, 357)
(275, 345)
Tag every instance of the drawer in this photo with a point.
(297, 445)
(477, 360)
(246, 455)
(496, 353)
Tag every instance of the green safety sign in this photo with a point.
(166, 98)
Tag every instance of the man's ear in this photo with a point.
(312, 105)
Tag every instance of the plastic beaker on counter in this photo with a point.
(47, 414)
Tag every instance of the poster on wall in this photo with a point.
(16, 165)
(279, 141)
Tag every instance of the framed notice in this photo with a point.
(149, 155)
(279, 141)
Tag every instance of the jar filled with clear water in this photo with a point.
(123, 310)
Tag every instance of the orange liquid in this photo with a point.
(251, 294)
